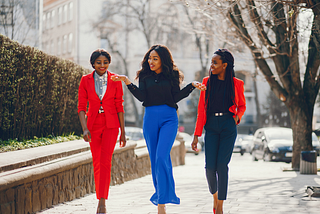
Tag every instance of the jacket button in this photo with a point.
(100, 102)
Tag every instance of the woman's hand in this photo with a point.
(195, 143)
(86, 135)
(200, 86)
(236, 119)
(122, 140)
(123, 78)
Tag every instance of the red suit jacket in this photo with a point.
(112, 101)
(238, 108)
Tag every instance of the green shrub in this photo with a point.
(38, 92)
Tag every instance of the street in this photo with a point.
(254, 188)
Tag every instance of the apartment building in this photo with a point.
(59, 28)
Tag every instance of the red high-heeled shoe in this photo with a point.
(214, 210)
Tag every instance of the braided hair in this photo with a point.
(226, 57)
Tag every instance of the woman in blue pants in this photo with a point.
(159, 90)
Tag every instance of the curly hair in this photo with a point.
(169, 69)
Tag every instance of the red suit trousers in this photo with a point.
(103, 141)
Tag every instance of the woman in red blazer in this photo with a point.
(220, 109)
(100, 124)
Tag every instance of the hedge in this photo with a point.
(38, 92)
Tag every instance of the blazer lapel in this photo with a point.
(109, 82)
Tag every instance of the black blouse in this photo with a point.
(218, 99)
(156, 90)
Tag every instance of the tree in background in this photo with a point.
(272, 32)
(109, 30)
(19, 21)
(277, 113)
(120, 20)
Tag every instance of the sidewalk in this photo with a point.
(254, 188)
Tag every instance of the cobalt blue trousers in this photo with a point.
(160, 125)
(220, 136)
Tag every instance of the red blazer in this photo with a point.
(112, 102)
(238, 108)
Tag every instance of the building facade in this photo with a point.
(20, 21)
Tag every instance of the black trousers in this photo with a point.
(220, 136)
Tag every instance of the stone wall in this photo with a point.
(33, 188)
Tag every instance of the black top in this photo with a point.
(156, 90)
(218, 99)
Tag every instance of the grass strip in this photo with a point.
(15, 144)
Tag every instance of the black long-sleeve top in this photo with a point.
(157, 90)
(219, 102)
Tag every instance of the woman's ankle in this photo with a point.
(161, 209)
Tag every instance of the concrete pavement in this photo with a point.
(254, 188)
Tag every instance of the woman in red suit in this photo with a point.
(220, 109)
(100, 124)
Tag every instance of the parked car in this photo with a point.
(187, 142)
(247, 143)
(316, 143)
(275, 144)
(238, 146)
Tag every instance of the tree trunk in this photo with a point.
(301, 123)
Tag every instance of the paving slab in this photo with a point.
(254, 188)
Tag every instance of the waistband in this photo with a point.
(219, 114)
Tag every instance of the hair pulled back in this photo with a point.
(99, 52)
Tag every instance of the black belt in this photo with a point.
(219, 114)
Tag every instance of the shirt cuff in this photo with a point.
(131, 86)
(191, 86)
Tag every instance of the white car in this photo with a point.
(247, 143)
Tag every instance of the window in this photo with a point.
(70, 43)
(52, 47)
(58, 46)
(52, 19)
(6, 13)
(59, 15)
(48, 47)
(64, 44)
(44, 45)
(70, 11)
(65, 13)
(48, 21)
(44, 22)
